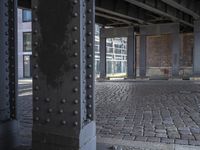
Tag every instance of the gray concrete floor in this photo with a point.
(154, 112)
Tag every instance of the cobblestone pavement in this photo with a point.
(151, 111)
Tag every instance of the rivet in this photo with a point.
(36, 43)
(89, 115)
(75, 90)
(63, 122)
(75, 101)
(35, 7)
(75, 112)
(63, 101)
(36, 98)
(36, 66)
(37, 118)
(75, 66)
(75, 28)
(36, 76)
(36, 55)
(35, 19)
(89, 86)
(75, 123)
(89, 66)
(89, 10)
(75, 1)
(47, 99)
(76, 78)
(89, 55)
(35, 31)
(75, 54)
(75, 41)
(75, 14)
(37, 88)
(89, 106)
(60, 111)
(50, 110)
(89, 33)
(37, 108)
(89, 76)
(47, 120)
(89, 21)
(89, 96)
(89, 44)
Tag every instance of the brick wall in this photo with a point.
(159, 59)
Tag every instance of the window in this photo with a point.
(27, 45)
(27, 66)
(26, 15)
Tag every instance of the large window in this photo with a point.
(26, 15)
(27, 66)
(27, 38)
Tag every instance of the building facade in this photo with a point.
(24, 43)
(116, 55)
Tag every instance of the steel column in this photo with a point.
(175, 53)
(196, 52)
(63, 84)
(8, 75)
(102, 57)
(131, 66)
(143, 56)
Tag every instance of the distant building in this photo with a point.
(24, 43)
(116, 55)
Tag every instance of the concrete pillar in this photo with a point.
(131, 73)
(102, 57)
(176, 46)
(8, 115)
(63, 84)
(196, 51)
(143, 56)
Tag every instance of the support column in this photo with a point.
(63, 84)
(131, 71)
(196, 51)
(143, 56)
(102, 57)
(175, 53)
(8, 75)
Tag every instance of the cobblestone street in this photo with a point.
(146, 111)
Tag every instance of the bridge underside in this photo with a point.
(163, 42)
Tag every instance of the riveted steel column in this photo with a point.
(175, 53)
(8, 124)
(131, 73)
(196, 52)
(143, 56)
(63, 84)
(102, 57)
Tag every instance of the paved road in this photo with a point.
(152, 111)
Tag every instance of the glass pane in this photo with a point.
(27, 41)
(27, 66)
(26, 15)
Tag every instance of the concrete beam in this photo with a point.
(116, 32)
(178, 6)
(143, 44)
(196, 52)
(170, 14)
(158, 29)
(102, 57)
(131, 54)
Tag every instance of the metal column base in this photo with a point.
(9, 135)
